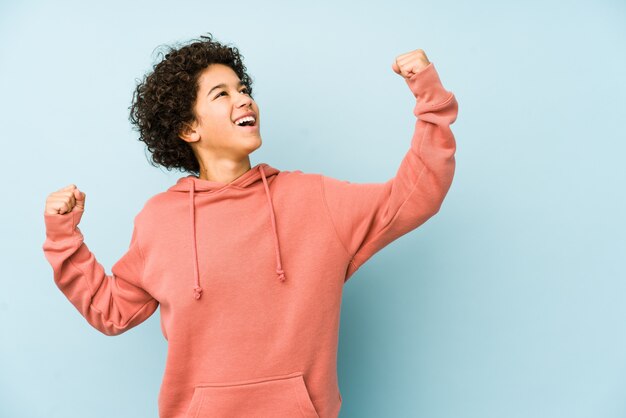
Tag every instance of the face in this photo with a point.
(215, 135)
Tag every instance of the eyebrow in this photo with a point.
(241, 83)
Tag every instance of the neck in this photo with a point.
(224, 171)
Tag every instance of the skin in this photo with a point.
(222, 148)
(410, 63)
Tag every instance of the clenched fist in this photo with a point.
(410, 63)
(65, 200)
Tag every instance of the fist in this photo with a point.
(410, 63)
(65, 200)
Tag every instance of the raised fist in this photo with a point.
(65, 200)
(410, 63)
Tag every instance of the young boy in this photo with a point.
(247, 263)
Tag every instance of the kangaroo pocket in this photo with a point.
(266, 397)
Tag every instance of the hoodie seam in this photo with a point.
(330, 216)
(143, 259)
(79, 239)
(80, 243)
(384, 229)
(92, 294)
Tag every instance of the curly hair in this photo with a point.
(163, 102)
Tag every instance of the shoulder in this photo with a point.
(153, 207)
(298, 183)
(297, 178)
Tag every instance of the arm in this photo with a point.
(368, 216)
(111, 304)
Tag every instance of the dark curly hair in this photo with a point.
(163, 102)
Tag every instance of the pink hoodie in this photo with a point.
(249, 275)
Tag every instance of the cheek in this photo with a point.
(219, 119)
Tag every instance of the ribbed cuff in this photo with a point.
(427, 87)
(60, 226)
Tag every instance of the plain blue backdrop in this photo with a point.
(508, 303)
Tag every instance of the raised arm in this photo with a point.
(368, 216)
(110, 303)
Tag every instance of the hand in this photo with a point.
(65, 200)
(410, 63)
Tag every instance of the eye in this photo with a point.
(244, 90)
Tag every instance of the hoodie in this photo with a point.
(249, 274)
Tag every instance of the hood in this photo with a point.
(192, 185)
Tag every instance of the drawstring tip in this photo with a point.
(197, 292)
(281, 275)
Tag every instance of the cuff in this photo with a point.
(59, 226)
(427, 87)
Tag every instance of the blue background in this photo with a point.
(508, 303)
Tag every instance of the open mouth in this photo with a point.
(248, 123)
(248, 127)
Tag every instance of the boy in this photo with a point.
(247, 263)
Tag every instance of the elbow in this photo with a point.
(107, 325)
(430, 205)
(118, 323)
(437, 203)
(112, 331)
(108, 329)
(432, 211)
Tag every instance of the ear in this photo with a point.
(188, 132)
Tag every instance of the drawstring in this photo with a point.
(279, 267)
(197, 290)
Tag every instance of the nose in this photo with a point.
(244, 100)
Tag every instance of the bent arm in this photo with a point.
(113, 303)
(368, 216)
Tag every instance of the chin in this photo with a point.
(253, 144)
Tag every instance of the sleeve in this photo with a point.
(110, 303)
(369, 216)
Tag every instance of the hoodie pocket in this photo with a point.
(266, 397)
